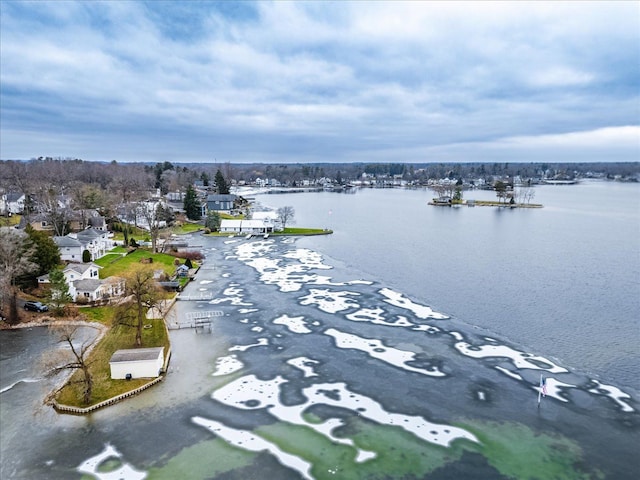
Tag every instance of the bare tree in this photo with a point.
(148, 211)
(285, 215)
(57, 215)
(15, 260)
(142, 293)
(75, 358)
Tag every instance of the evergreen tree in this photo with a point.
(191, 204)
(46, 253)
(212, 222)
(58, 291)
(221, 184)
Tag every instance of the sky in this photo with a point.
(320, 81)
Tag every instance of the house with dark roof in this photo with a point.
(220, 203)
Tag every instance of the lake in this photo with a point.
(408, 344)
(563, 280)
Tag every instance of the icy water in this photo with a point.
(341, 356)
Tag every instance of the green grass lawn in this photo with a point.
(112, 266)
(118, 337)
(187, 228)
(11, 221)
(102, 315)
(137, 233)
(303, 231)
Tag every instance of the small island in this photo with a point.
(509, 196)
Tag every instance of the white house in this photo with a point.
(94, 240)
(270, 219)
(83, 282)
(137, 363)
(88, 288)
(245, 226)
(14, 202)
(70, 248)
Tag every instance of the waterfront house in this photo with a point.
(220, 203)
(245, 226)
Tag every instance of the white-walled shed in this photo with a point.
(137, 363)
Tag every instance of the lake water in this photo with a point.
(563, 280)
(408, 344)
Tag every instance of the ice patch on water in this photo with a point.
(308, 258)
(233, 295)
(519, 359)
(247, 310)
(254, 443)
(426, 328)
(554, 388)
(250, 393)
(289, 277)
(509, 373)
(376, 349)
(294, 324)
(614, 393)
(125, 472)
(242, 348)
(373, 315)
(328, 301)
(305, 364)
(227, 365)
(376, 317)
(257, 329)
(420, 311)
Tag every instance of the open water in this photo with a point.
(408, 344)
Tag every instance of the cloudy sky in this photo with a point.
(320, 81)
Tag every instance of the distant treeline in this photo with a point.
(127, 180)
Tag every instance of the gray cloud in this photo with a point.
(306, 81)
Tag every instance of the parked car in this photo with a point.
(36, 307)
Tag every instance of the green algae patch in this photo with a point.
(203, 460)
(518, 452)
(396, 453)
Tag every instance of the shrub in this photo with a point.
(188, 263)
(86, 256)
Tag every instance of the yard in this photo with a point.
(116, 264)
(118, 337)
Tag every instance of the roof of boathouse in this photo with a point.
(136, 354)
